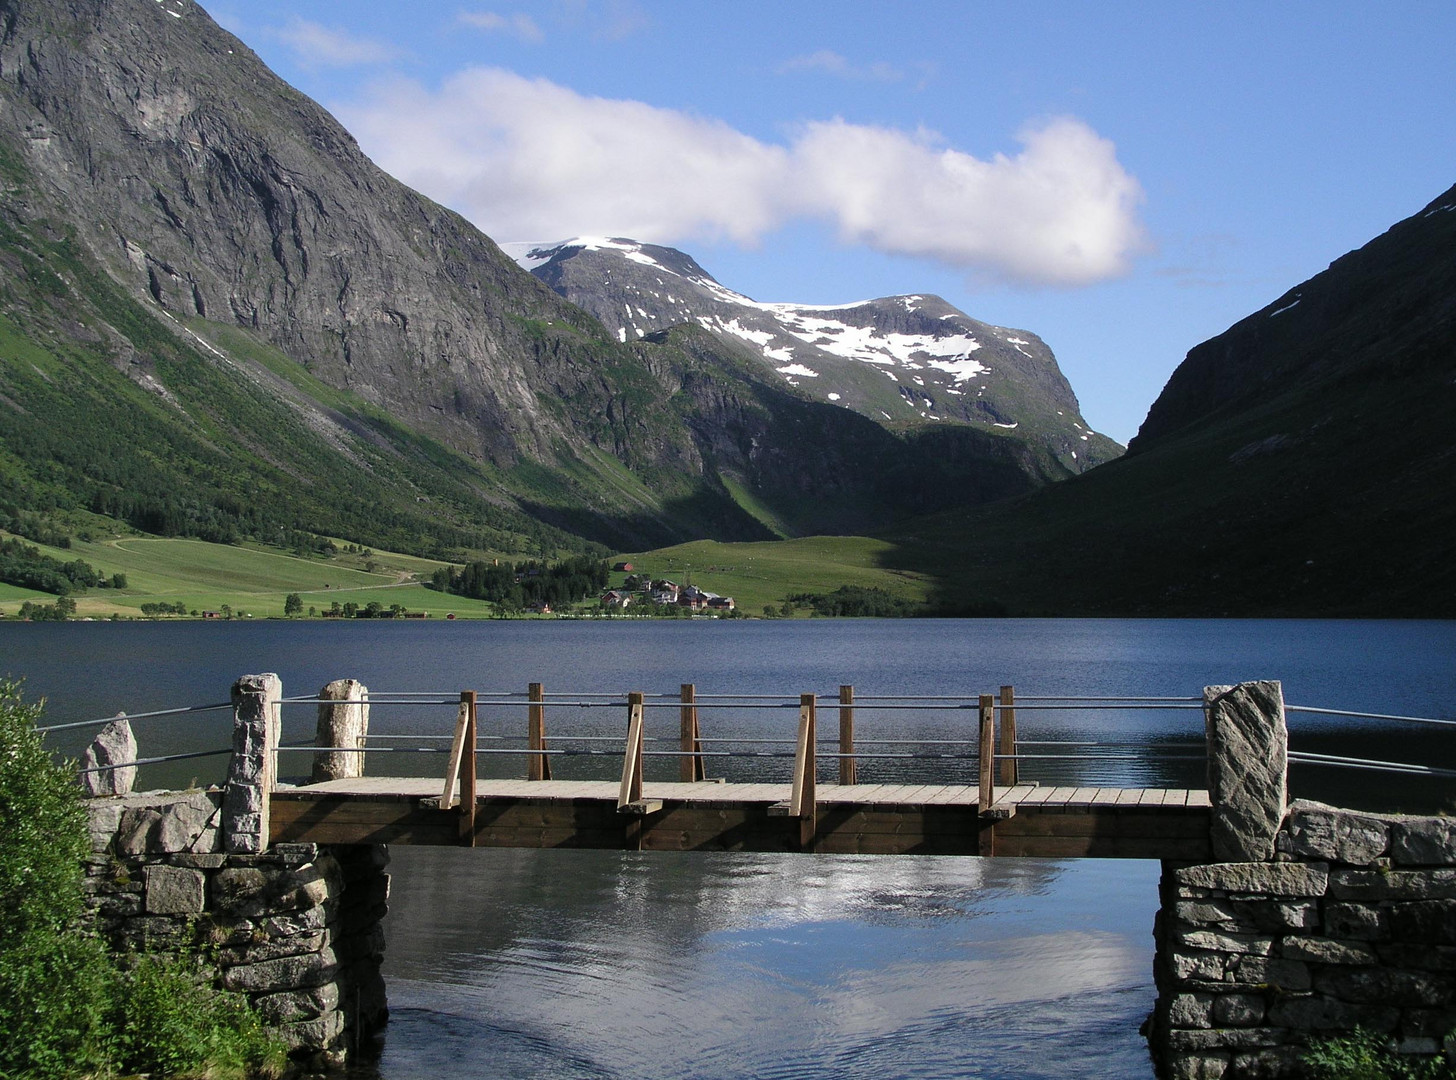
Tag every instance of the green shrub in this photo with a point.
(1364, 1055)
(55, 983)
(68, 1008)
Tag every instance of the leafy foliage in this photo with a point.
(855, 601)
(524, 584)
(1364, 1055)
(68, 1008)
(23, 565)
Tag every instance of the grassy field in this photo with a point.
(254, 581)
(764, 573)
(248, 579)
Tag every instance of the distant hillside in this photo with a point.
(906, 361)
(1302, 463)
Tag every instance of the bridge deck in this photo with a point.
(939, 819)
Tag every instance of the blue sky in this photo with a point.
(1124, 180)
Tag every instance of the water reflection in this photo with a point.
(587, 964)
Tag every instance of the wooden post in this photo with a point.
(467, 770)
(631, 790)
(538, 766)
(987, 840)
(457, 754)
(690, 766)
(1010, 773)
(802, 797)
(848, 773)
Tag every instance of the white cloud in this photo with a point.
(522, 26)
(316, 44)
(832, 63)
(530, 159)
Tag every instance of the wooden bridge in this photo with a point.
(1000, 815)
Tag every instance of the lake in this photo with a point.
(607, 964)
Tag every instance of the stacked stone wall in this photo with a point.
(1352, 922)
(296, 928)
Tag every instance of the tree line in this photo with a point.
(525, 584)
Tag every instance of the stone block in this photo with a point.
(1279, 916)
(1204, 967)
(1247, 764)
(114, 746)
(175, 890)
(1226, 1038)
(1393, 884)
(1270, 1063)
(134, 833)
(298, 922)
(186, 824)
(256, 952)
(1257, 878)
(1214, 941)
(1358, 922)
(1385, 986)
(283, 974)
(1435, 1023)
(343, 722)
(1423, 841)
(1238, 1010)
(1419, 957)
(1191, 1011)
(1429, 922)
(199, 861)
(320, 1033)
(1315, 831)
(1319, 1012)
(1197, 1066)
(1326, 951)
(1285, 975)
(295, 1005)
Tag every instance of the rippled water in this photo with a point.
(525, 964)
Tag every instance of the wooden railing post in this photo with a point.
(802, 797)
(988, 751)
(631, 790)
(690, 767)
(467, 769)
(538, 765)
(1010, 773)
(848, 773)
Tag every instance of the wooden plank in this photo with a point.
(1103, 847)
(1036, 796)
(848, 767)
(1109, 822)
(987, 751)
(457, 752)
(538, 766)
(1128, 796)
(1199, 798)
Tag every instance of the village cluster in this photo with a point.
(644, 589)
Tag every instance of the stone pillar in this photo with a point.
(256, 727)
(115, 745)
(1247, 759)
(345, 725)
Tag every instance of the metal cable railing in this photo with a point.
(1088, 753)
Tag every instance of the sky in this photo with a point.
(1125, 180)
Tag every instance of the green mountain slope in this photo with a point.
(221, 319)
(1303, 463)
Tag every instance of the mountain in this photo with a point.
(218, 317)
(899, 359)
(1301, 463)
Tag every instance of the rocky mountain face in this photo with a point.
(898, 360)
(1378, 313)
(1301, 463)
(202, 268)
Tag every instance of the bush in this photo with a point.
(1365, 1055)
(67, 1007)
(54, 982)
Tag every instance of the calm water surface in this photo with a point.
(610, 964)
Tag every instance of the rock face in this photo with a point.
(1247, 764)
(906, 359)
(147, 152)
